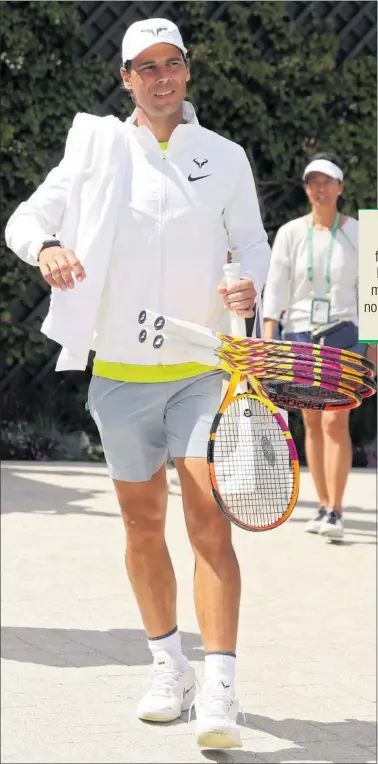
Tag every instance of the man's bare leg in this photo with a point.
(217, 575)
(148, 564)
(217, 599)
(149, 567)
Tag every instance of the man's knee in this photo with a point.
(143, 523)
(143, 507)
(208, 529)
(212, 538)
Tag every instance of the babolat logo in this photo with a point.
(294, 403)
(155, 32)
(268, 450)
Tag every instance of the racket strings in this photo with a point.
(309, 372)
(258, 352)
(276, 347)
(253, 468)
(304, 392)
(325, 380)
(298, 362)
(261, 363)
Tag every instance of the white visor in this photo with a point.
(326, 167)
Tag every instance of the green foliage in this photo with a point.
(44, 439)
(257, 79)
(284, 97)
(44, 84)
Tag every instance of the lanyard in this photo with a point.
(310, 252)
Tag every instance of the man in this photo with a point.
(142, 214)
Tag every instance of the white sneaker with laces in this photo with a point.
(171, 691)
(216, 712)
(333, 525)
(314, 525)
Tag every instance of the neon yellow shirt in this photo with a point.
(131, 372)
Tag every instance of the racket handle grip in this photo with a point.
(232, 274)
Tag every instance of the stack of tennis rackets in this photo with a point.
(292, 374)
(252, 458)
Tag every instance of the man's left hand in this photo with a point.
(239, 298)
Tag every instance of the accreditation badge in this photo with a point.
(320, 311)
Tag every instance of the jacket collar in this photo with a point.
(181, 134)
(188, 113)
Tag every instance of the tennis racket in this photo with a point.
(306, 381)
(347, 388)
(303, 350)
(230, 348)
(253, 463)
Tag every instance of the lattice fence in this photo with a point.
(105, 24)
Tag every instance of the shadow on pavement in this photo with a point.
(359, 527)
(349, 508)
(82, 648)
(29, 490)
(312, 741)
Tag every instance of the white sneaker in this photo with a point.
(317, 522)
(216, 712)
(171, 691)
(333, 525)
(174, 485)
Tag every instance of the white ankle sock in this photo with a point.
(171, 643)
(221, 666)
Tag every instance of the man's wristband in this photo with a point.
(49, 243)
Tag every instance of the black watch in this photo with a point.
(49, 243)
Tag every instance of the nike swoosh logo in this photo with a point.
(188, 690)
(198, 177)
(226, 686)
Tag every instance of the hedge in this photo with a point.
(281, 105)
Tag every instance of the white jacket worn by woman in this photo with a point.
(287, 287)
(180, 213)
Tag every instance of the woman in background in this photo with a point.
(313, 275)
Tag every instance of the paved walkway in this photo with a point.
(74, 654)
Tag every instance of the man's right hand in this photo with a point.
(58, 266)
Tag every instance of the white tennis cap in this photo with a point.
(326, 167)
(143, 34)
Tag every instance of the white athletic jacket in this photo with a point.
(183, 212)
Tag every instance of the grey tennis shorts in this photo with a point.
(141, 423)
